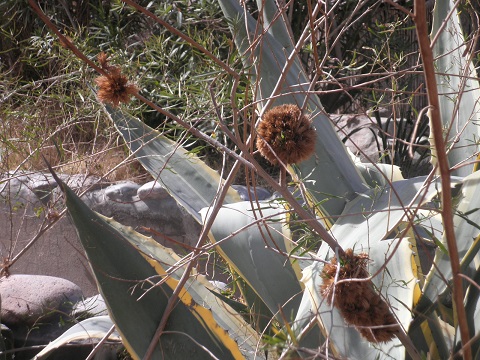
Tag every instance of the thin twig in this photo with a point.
(399, 7)
(64, 39)
(195, 132)
(100, 343)
(181, 35)
(439, 143)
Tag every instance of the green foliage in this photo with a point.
(62, 122)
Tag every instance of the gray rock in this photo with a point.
(36, 188)
(59, 251)
(122, 192)
(36, 309)
(26, 299)
(14, 190)
(161, 218)
(359, 133)
(152, 191)
(92, 306)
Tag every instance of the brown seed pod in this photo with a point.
(113, 87)
(357, 301)
(286, 134)
(103, 60)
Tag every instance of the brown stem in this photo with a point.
(283, 177)
(439, 143)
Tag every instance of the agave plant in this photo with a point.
(385, 252)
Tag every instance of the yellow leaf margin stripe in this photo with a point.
(204, 315)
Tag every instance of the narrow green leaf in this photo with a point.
(187, 178)
(472, 255)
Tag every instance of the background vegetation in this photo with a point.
(47, 106)
(362, 60)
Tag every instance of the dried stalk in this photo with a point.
(439, 143)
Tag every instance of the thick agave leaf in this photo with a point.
(467, 233)
(397, 283)
(467, 230)
(364, 226)
(199, 291)
(86, 330)
(376, 175)
(268, 56)
(379, 174)
(274, 22)
(250, 239)
(131, 273)
(457, 87)
(472, 307)
(187, 178)
(375, 214)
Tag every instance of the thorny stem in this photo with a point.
(439, 143)
(283, 176)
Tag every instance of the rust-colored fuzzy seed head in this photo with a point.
(113, 87)
(286, 134)
(357, 301)
(103, 60)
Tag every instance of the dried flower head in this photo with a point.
(286, 134)
(103, 60)
(113, 87)
(357, 301)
